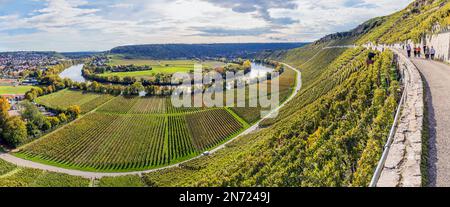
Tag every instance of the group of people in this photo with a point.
(429, 52)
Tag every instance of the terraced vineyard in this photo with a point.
(253, 114)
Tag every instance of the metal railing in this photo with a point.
(387, 147)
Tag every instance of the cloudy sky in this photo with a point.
(95, 25)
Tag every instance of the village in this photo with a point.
(16, 69)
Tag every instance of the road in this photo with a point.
(437, 78)
(95, 175)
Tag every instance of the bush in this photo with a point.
(15, 132)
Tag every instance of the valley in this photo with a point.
(112, 118)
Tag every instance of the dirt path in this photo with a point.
(437, 78)
(95, 175)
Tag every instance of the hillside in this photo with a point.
(180, 51)
(420, 18)
(333, 132)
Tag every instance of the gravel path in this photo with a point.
(93, 175)
(437, 77)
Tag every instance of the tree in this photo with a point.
(74, 111)
(137, 87)
(62, 118)
(31, 113)
(4, 114)
(4, 108)
(15, 132)
(247, 65)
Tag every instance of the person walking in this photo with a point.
(432, 53)
(427, 53)
(419, 52)
(408, 50)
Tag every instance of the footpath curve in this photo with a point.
(96, 175)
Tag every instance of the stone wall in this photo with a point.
(441, 43)
(402, 167)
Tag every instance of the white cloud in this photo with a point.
(69, 25)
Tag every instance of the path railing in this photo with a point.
(381, 164)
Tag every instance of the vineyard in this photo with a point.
(137, 133)
(144, 105)
(286, 85)
(128, 134)
(13, 176)
(65, 98)
(331, 134)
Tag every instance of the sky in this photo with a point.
(98, 25)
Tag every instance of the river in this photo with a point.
(74, 73)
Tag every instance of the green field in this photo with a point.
(14, 90)
(115, 61)
(155, 70)
(65, 98)
(158, 66)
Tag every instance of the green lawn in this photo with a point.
(14, 90)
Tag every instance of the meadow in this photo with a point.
(14, 90)
(158, 66)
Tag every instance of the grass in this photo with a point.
(122, 181)
(155, 70)
(116, 60)
(14, 90)
(158, 66)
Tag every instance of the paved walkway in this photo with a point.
(92, 175)
(437, 78)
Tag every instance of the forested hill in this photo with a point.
(176, 51)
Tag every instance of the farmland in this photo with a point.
(158, 66)
(14, 90)
(13, 176)
(117, 60)
(65, 98)
(122, 134)
(253, 114)
(122, 142)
